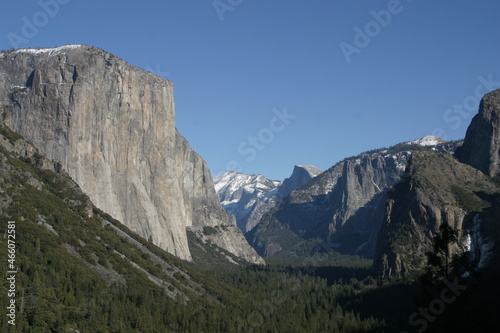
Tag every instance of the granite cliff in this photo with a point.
(481, 148)
(112, 128)
(301, 174)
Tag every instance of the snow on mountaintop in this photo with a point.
(222, 180)
(240, 194)
(229, 183)
(51, 51)
(429, 140)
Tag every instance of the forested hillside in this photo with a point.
(79, 270)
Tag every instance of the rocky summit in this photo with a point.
(301, 174)
(481, 148)
(246, 197)
(112, 128)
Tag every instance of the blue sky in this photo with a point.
(262, 85)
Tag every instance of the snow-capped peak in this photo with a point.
(240, 193)
(429, 140)
(231, 183)
(51, 51)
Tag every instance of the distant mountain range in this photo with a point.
(342, 207)
(248, 197)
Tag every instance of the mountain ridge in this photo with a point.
(343, 206)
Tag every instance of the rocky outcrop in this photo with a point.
(301, 174)
(481, 148)
(343, 206)
(436, 188)
(112, 128)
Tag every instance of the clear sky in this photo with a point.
(262, 85)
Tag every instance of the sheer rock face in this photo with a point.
(112, 127)
(481, 148)
(301, 174)
(344, 206)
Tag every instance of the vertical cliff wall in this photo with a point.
(301, 174)
(112, 127)
(481, 148)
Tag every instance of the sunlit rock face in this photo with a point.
(112, 127)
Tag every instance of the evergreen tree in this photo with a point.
(439, 260)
